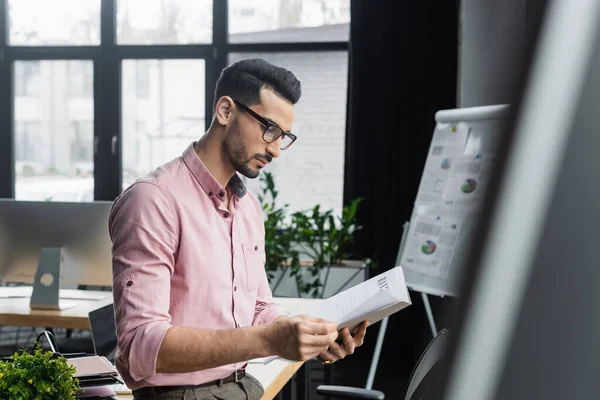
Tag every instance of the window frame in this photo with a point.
(107, 58)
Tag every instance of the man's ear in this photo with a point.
(223, 109)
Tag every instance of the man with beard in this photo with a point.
(191, 296)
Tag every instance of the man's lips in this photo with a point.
(262, 161)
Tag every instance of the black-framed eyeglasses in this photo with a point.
(272, 131)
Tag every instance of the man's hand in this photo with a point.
(341, 348)
(301, 338)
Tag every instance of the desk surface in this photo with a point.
(15, 310)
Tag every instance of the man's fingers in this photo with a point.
(328, 356)
(359, 336)
(348, 341)
(362, 325)
(320, 328)
(321, 340)
(314, 319)
(338, 351)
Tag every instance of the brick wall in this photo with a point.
(312, 170)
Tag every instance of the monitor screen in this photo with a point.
(79, 229)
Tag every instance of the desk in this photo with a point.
(15, 311)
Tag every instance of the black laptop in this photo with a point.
(104, 336)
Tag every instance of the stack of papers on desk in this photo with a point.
(94, 370)
(370, 301)
(96, 393)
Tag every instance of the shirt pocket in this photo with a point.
(254, 258)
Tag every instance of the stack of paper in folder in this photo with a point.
(94, 370)
(370, 301)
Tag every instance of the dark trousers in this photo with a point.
(248, 388)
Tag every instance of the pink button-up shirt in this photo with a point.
(180, 258)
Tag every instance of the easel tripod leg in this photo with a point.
(429, 314)
(376, 353)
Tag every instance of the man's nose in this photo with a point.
(274, 148)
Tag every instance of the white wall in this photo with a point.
(312, 170)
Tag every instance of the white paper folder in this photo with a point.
(372, 300)
(92, 366)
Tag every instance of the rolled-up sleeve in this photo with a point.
(144, 228)
(266, 313)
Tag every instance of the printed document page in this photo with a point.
(370, 301)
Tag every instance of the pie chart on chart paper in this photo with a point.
(468, 186)
(428, 247)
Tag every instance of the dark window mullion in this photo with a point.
(3, 24)
(51, 52)
(287, 47)
(7, 177)
(107, 109)
(7, 165)
(164, 51)
(218, 59)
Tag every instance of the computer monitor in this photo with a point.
(528, 327)
(79, 229)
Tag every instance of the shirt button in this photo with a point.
(226, 215)
(221, 194)
(210, 194)
(255, 247)
(235, 288)
(130, 283)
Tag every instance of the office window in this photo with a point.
(81, 78)
(25, 134)
(142, 78)
(289, 21)
(141, 130)
(161, 88)
(27, 79)
(81, 147)
(55, 153)
(158, 127)
(164, 21)
(312, 170)
(55, 22)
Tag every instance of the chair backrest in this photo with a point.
(104, 336)
(434, 352)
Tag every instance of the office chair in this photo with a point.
(419, 382)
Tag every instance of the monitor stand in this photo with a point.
(46, 286)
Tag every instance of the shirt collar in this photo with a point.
(205, 178)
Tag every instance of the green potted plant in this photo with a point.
(324, 240)
(303, 244)
(37, 375)
(278, 235)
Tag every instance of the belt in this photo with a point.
(236, 376)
